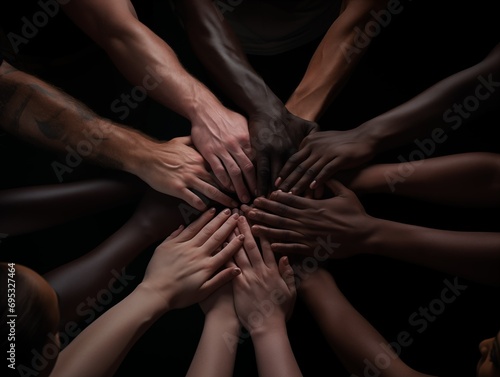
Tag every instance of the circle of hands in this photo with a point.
(299, 213)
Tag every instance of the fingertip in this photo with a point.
(278, 182)
(313, 185)
(236, 271)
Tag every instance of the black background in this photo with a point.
(425, 43)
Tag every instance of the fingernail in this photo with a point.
(241, 237)
(278, 182)
(256, 193)
(242, 219)
(286, 261)
(181, 227)
(211, 210)
(313, 185)
(245, 198)
(236, 271)
(235, 204)
(227, 211)
(235, 216)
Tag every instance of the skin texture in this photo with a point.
(182, 271)
(354, 340)
(236, 304)
(275, 133)
(155, 217)
(220, 134)
(305, 226)
(264, 295)
(430, 114)
(351, 337)
(30, 209)
(36, 112)
(334, 60)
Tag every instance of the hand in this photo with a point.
(337, 226)
(274, 140)
(220, 304)
(222, 138)
(264, 293)
(183, 269)
(321, 155)
(175, 168)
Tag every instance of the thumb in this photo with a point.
(337, 188)
(286, 272)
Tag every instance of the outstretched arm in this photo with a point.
(181, 272)
(29, 209)
(337, 56)
(147, 61)
(275, 133)
(104, 267)
(264, 295)
(45, 116)
(357, 344)
(339, 227)
(468, 179)
(432, 114)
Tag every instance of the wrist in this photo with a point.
(158, 301)
(270, 329)
(224, 320)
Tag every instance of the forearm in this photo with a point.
(274, 353)
(333, 61)
(101, 347)
(29, 209)
(440, 109)
(102, 268)
(469, 179)
(45, 116)
(216, 352)
(351, 336)
(218, 48)
(471, 255)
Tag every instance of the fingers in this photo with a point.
(276, 165)
(221, 278)
(275, 221)
(279, 235)
(291, 248)
(287, 274)
(217, 231)
(219, 171)
(267, 253)
(248, 170)
(263, 174)
(193, 229)
(337, 188)
(290, 166)
(225, 255)
(213, 193)
(326, 173)
(292, 201)
(250, 246)
(175, 233)
(192, 199)
(308, 176)
(235, 176)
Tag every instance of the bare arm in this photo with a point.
(275, 133)
(341, 227)
(357, 344)
(468, 179)
(431, 115)
(335, 58)
(45, 116)
(181, 272)
(29, 209)
(264, 295)
(147, 61)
